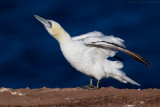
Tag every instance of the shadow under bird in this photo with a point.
(88, 53)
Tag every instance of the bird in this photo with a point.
(89, 53)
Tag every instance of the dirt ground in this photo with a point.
(78, 97)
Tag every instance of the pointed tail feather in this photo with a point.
(130, 80)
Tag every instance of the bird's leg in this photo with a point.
(91, 81)
(90, 85)
(98, 82)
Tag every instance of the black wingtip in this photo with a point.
(117, 57)
(136, 56)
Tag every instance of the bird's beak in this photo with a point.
(45, 22)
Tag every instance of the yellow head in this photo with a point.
(54, 29)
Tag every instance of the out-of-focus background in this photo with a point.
(30, 57)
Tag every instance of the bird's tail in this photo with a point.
(130, 80)
(112, 69)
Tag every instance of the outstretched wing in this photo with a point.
(87, 35)
(98, 39)
(98, 36)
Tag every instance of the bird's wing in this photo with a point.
(111, 42)
(87, 35)
(98, 36)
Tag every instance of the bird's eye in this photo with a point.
(50, 24)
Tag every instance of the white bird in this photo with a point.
(88, 53)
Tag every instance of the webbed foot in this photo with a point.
(89, 87)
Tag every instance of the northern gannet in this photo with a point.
(88, 53)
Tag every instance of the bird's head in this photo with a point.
(53, 28)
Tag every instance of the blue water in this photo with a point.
(30, 57)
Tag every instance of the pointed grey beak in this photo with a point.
(43, 21)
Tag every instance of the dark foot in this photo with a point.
(89, 87)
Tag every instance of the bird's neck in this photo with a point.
(61, 35)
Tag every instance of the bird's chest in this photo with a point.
(76, 55)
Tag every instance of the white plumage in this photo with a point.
(88, 53)
(84, 54)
